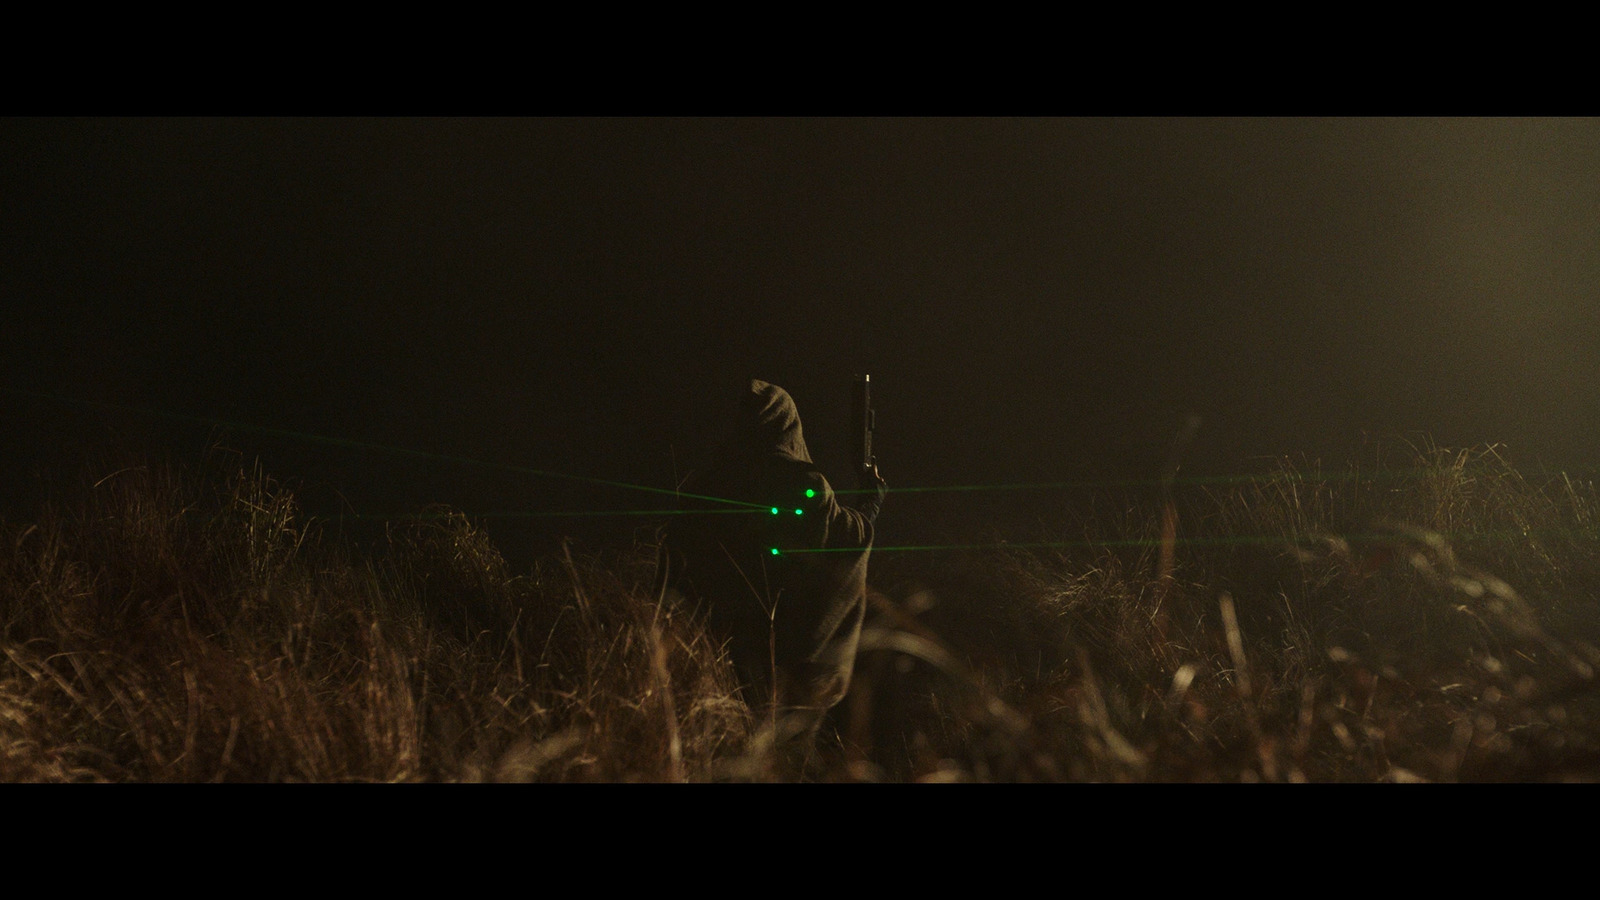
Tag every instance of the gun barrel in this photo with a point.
(861, 424)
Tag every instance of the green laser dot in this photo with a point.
(799, 512)
(774, 510)
(774, 551)
(810, 492)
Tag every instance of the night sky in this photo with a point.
(1035, 299)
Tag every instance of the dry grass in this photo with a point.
(1439, 626)
(200, 630)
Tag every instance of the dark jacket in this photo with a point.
(792, 618)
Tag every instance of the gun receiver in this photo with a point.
(862, 420)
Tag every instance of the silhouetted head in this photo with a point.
(769, 424)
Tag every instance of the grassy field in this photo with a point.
(1433, 623)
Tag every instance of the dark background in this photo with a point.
(1036, 299)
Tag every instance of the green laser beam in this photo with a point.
(365, 445)
(1034, 545)
(1287, 477)
(1295, 477)
(1249, 539)
(547, 514)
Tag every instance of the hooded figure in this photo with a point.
(780, 571)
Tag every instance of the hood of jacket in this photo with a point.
(769, 424)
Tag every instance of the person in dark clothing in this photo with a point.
(781, 571)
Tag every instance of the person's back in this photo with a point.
(781, 571)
